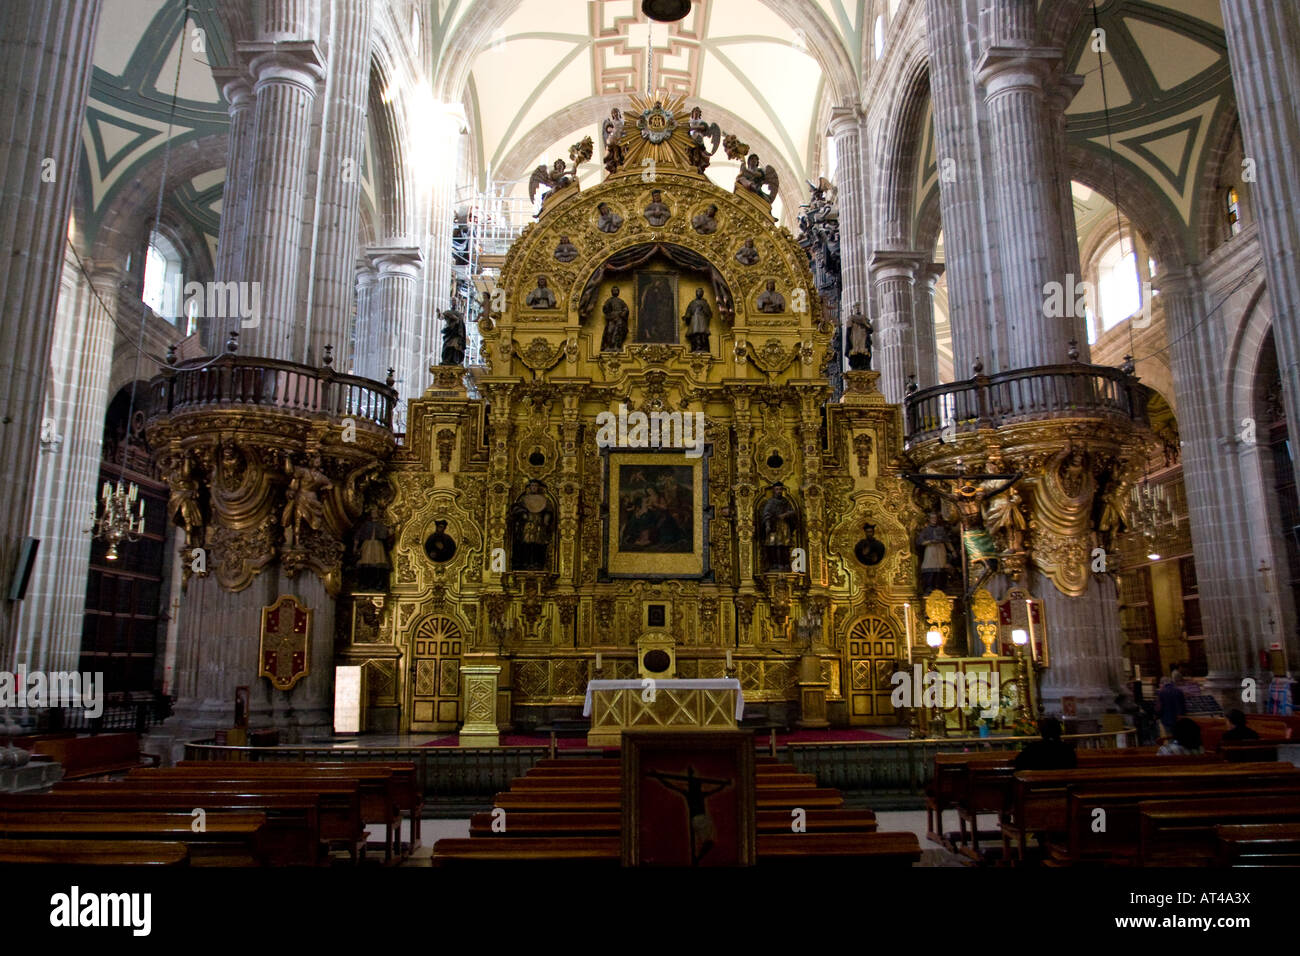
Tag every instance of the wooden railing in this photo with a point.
(239, 381)
(1048, 391)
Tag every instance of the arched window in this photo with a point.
(1118, 293)
(880, 35)
(1233, 203)
(164, 279)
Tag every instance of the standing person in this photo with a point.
(1170, 704)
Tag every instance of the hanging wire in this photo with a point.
(1114, 179)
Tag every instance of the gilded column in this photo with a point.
(286, 74)
(46, 53)
(67, 470)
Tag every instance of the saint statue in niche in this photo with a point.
(698, 315)
(565, 251)
(532, 519)
(440, 546)
(607, 220)
(656, 316)
(616, 314)
(540, 297)
(371, 546)
(657, 212)
(453, 338)
(706, 223)
(859, 331)
(870, 550)
(769, 300)
(778, 529)
(747, 255)
(935, 542)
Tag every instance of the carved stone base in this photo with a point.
(862, 388)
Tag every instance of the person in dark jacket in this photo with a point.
(1239, 731)
(1170, 704)
(1049, 753)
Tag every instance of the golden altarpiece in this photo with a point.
(625, 544)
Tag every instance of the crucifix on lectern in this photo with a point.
(967, 493)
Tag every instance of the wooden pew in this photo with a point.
(567, 849)
(592, 768)
(96, 756)
(607, 823)
(569, 801)
(94, 853)
(864, 849)
(375, 783)
(338, 802)
(291, 836)
(227, 839)
(406, 789)
(610, 781)
(1039, 796)
(1182, 832)
(1265, 844)
(1123, 804)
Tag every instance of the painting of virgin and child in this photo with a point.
(656, 508)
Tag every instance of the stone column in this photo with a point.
(855, 223)
(1014, 74)
(1084, 646)
(339, 190)
(927, 351)
(46, 53)
(1060, 93)
(1221, 529)
(365, 351)
(67, 470)
(286, 75)
(1264, 47)
(238, 91)
(393, 304)
(893, 274)
(971, 256)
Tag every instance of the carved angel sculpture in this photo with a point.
(699, 130)
(761, 180)
(612, 133)
(555, 177)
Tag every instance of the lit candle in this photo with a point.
(598, 660)
(907, 622)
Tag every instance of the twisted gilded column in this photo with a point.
(1264, 48)
(46, 53)
(286, 74)
(893, 275)
(339, 187)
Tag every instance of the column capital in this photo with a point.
(844, 120)
(1005, 69)
(1061, 90)
(396, 260)
(1183, 282)
(236, 86)
(928, 274)
(297, 62)
(896, 263)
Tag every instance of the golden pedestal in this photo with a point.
(480, 729)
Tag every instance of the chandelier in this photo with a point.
(1151, 512)
(119, 518)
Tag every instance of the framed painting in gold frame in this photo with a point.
(656, 515)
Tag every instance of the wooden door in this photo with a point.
(872, 648)
(435, 675)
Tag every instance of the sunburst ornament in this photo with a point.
(657, 130)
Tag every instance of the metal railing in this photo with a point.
(1048, 391)
(239, 381)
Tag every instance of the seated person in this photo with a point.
(1239, 731)
(1186, 742)
(1049, 753)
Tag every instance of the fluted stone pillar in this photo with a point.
(67, 470)
(927, 351)
(855, 224)
(365, 348)
(238, 91)
(1060, 92)
(1227, 581)
(893, 275)
(1085, 657)
(286, 75)
(339, 186)
(393, 304)
(45, 67)
(1014, 75)
(1264, 47)
(970, 248)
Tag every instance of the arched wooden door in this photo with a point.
(872, 660)
(434, 701)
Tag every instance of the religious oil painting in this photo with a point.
(656, 308)
(655, 522)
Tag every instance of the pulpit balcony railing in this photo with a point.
(247, 382)
(1028, 394)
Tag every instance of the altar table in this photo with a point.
(661, 704)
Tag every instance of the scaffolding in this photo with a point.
(486, 223)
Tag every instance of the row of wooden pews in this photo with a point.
(1120, 807)
(568, 810)
(224, 813)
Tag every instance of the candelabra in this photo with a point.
(121, 515)
(1151, 512)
